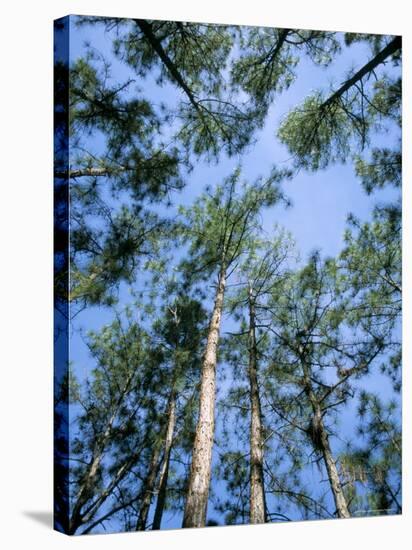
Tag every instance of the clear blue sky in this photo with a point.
(321, 201)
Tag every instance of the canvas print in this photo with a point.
(227, 275)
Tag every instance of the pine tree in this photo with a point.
(329, 128)
(321, 360)
(373, 465)
(191, 57)
(181, 335)
(371, 265)
(260, 271)
(219, 226)
(306, 338)
(106, 444)
(269, 57)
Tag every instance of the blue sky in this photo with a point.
(320, 201)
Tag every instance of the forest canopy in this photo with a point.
(232, 278)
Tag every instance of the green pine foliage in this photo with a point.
(307, 339)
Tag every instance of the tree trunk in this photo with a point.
(389, 50)
(257, 491)
(333, 475)
(199, 478)
(148, 491)
(320, 440)
(147, 30)
(164, 471)
(76, 519)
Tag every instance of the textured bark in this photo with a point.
(164, 470)
(257, 491)
(149, 487)
(334, 480)
(199, 479)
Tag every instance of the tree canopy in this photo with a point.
(225, 367)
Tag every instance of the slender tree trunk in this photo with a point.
(149, 487)
(164, 471)
(147, 30)
(283, 34)
(321, 441)
(199, 478)
(333, 475)
(257, 491)
(389, 50)
(76, 519)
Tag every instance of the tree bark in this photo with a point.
(199, 478)
(89, 172)
(164, 471)
(334, 480)
(257, 491)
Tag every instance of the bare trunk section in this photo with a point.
(257, 491)
(320, 440)
(164, 471)
(199, 478)
(334, 480)
(89, 172)
(148, 490)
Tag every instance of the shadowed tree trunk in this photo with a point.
(164, 470)
(199, 479)
(76, 519)
(257, 492)
(149, 486)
